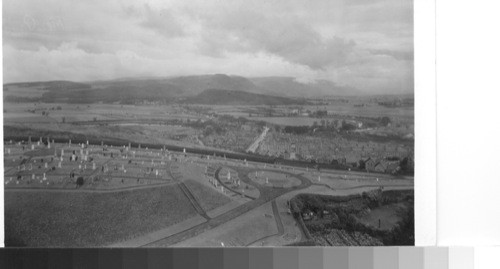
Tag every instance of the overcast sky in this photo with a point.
(367, 44)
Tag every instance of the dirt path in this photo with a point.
(256, 143)
(131, 188)
(196, 205)
(362, 186)
(225, 186)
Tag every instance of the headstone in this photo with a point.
(44, 177)
(93, 166)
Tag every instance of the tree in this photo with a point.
(79, 181)
(208, 130)
(385, 121)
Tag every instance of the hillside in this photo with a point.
(289, 86)
(230, 97)
(193, 85)
(51, 85)
(265, 90)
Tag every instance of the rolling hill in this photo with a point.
(231, 97)
(269, 90)
(289, 86)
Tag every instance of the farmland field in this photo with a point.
(65, 219)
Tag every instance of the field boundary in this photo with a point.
(192, 199)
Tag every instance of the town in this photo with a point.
(193, 174)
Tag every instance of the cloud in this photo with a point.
(363, 43)
(284, 36)
(396, 54)
(162, 22)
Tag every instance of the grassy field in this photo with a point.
(208, 197)
(45, 219)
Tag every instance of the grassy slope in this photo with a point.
(83, 219)
(207, 197)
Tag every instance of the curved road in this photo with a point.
(266, 194)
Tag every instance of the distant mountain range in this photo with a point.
(279, 86)
(213, 89)
(233, 97)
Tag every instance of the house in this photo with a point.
(307, 215)
(380, 167)
(392, 167)
(362, 163)
(370, 164)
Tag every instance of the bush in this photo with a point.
(79, 181)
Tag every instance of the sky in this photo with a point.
(366, 44)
